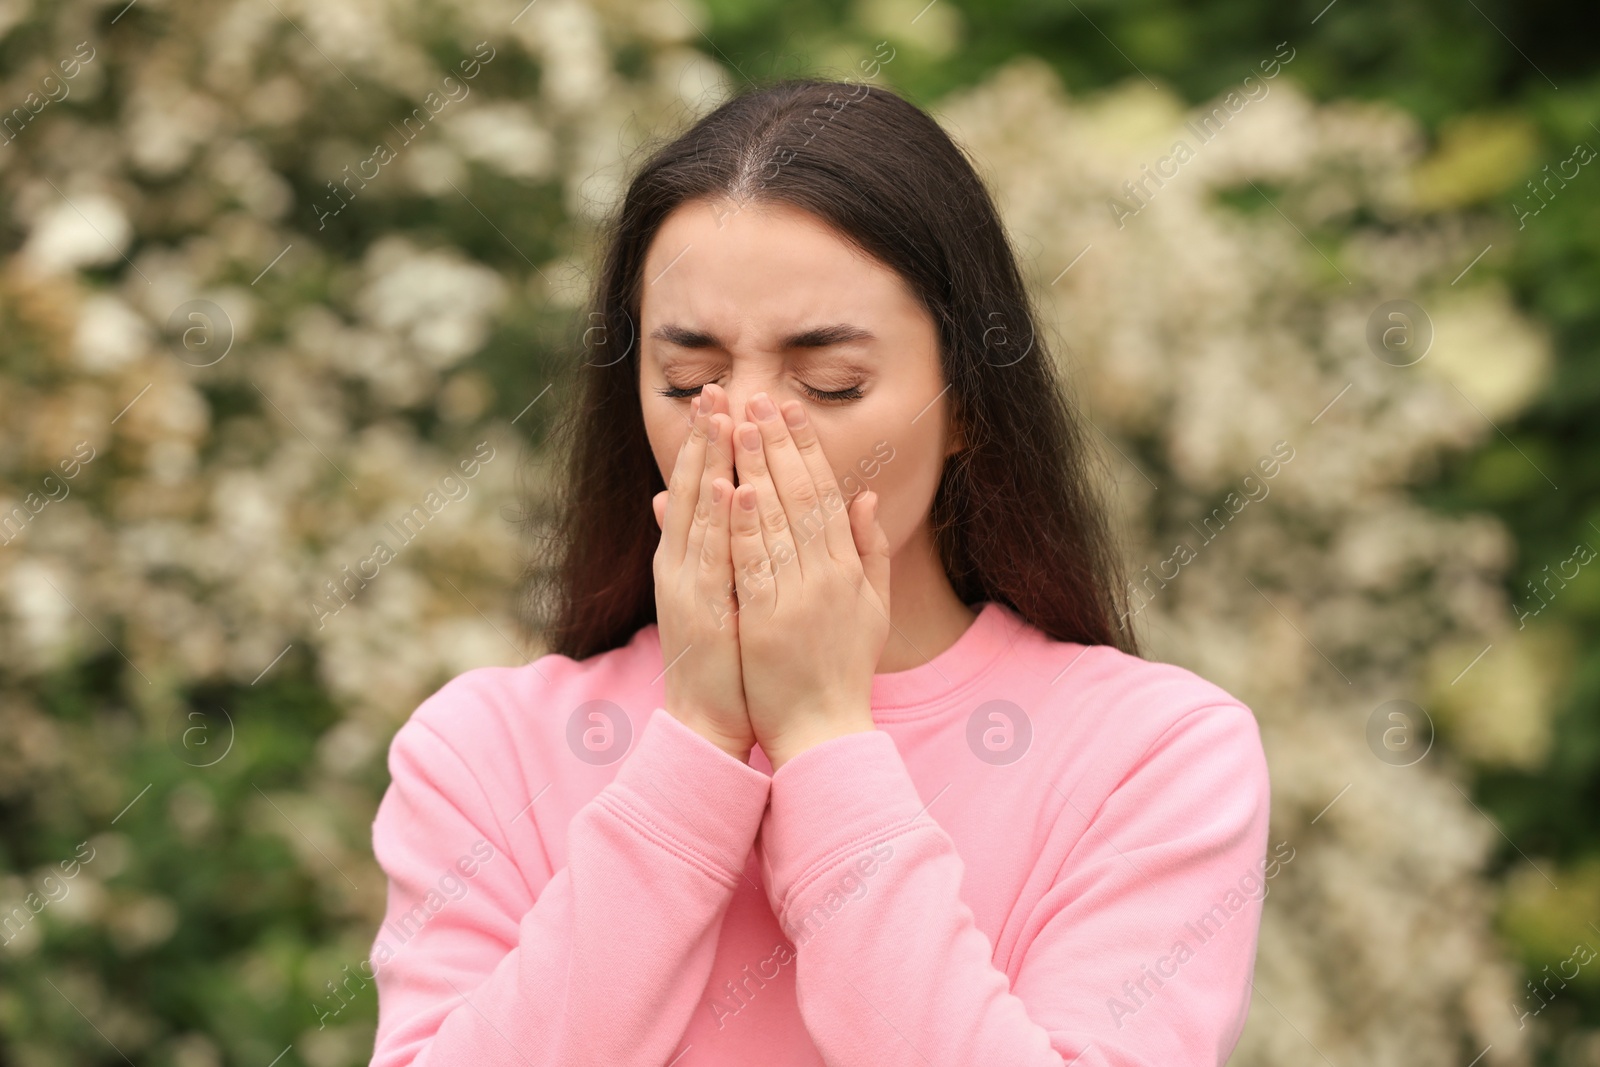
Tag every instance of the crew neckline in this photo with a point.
(907, 694)
(925, 689)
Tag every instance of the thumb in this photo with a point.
(658, 504)
(872, 544)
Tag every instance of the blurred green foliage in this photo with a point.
(1505, 88)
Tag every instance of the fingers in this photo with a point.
(750, 458)
(708, 538)
(871, 544)
(755, 453)
(712, 429)
(827, 526)
(683, 489)
(714, 577)
(717, 425)
(789, 499)
(720, 454)
(747, 547)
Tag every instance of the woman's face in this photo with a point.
(766, 297)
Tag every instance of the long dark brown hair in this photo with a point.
(1016, 517)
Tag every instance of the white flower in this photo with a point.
(38, 594)
(439, 301)
(80, 229)
(109, 335)
(507, 137)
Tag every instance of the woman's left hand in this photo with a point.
(812, 580)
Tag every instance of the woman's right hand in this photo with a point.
(696, 606)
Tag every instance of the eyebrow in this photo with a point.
(814, 337)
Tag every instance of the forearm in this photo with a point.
(608, 962)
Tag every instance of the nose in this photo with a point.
(739, 390)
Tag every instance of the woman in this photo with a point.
(847, 757)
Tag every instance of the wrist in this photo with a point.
(784, 749)
(740, 752)
(738, 748)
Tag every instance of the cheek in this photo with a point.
(905, 481)
(666, 432)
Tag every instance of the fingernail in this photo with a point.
(748, 502)
(694, 408)
(761, 404)
(711, 433)
(795, 416)
(750, 437)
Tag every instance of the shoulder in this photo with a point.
(503, 717)
(1105, 680)
(1154, 751)
(1124, 711)
(1106, 671)
(1186, 729)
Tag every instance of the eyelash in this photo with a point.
(838, 396)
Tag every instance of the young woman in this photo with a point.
(844, 755)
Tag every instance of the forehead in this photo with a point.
(722, 263)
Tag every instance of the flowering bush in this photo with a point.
(1226, 324)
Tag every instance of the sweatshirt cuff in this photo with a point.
(829, 806)
(691, 797)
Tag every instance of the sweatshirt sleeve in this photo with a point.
(892, 969)
(600, 962)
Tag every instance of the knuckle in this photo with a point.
(752, 586)
(812, 523)
(678, 484)
(710, 558)
(802, 490)
(773, 519)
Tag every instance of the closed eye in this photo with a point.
(820, 395)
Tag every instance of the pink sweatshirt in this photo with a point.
(1046, 853)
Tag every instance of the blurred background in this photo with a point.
(274, 270)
